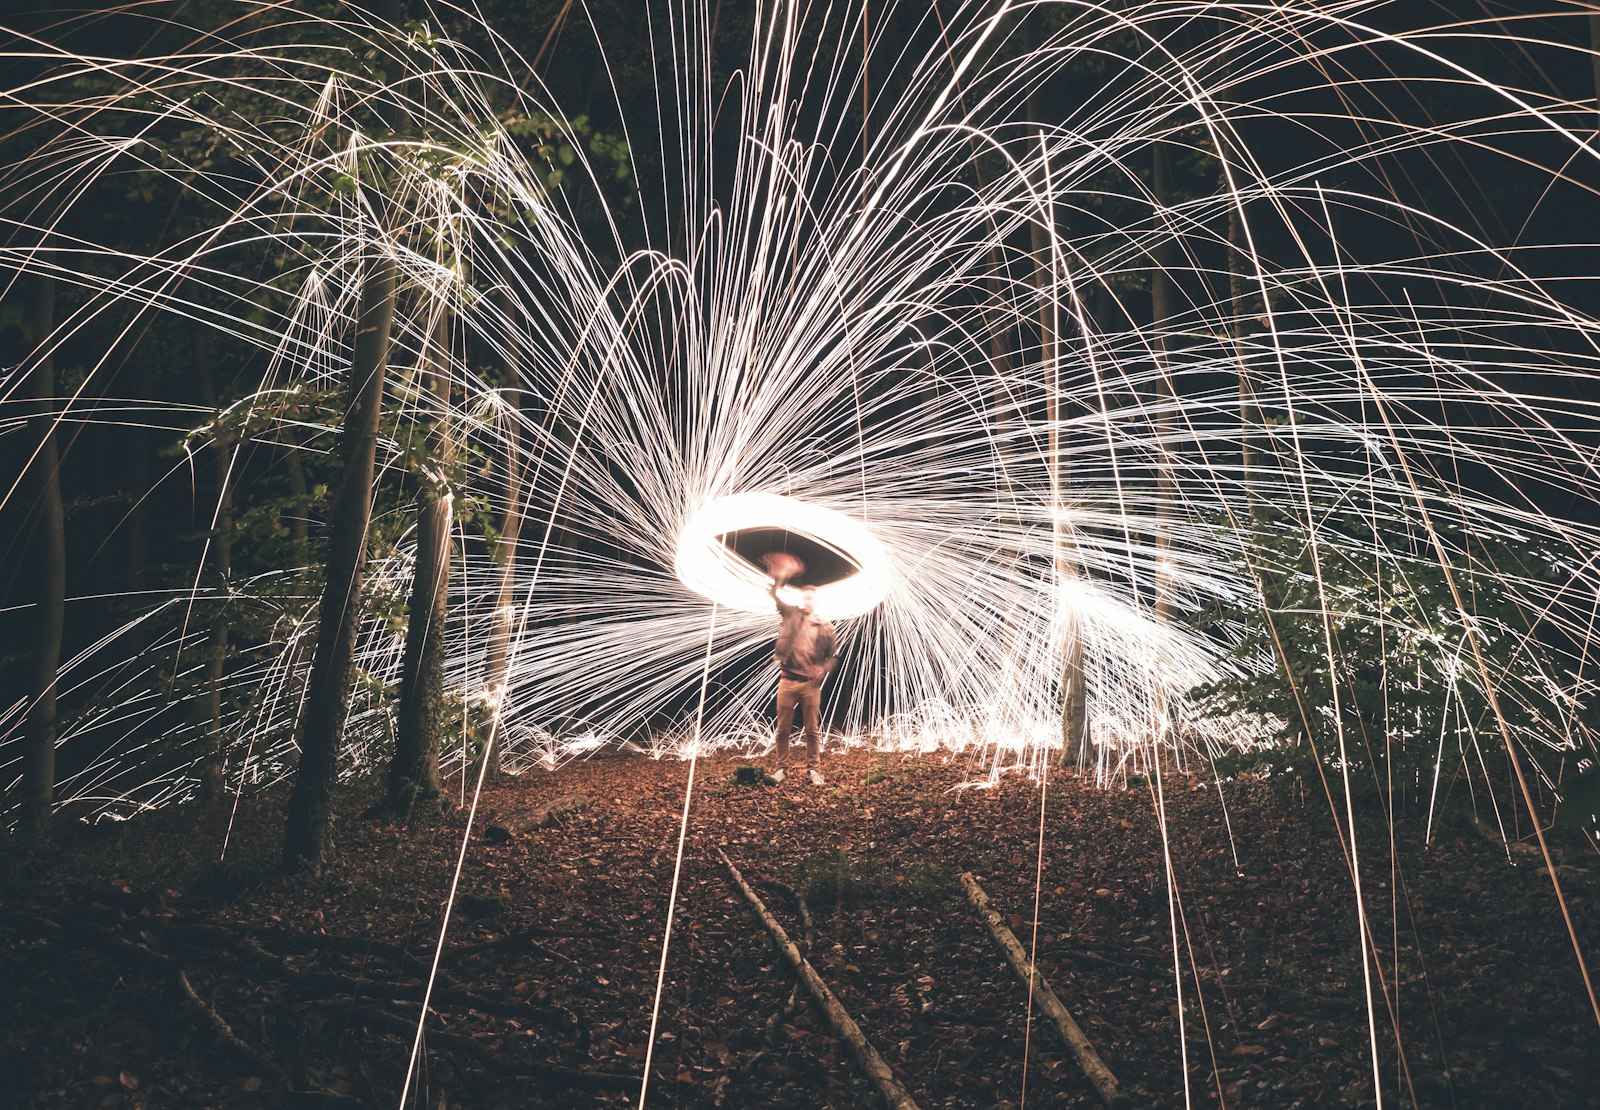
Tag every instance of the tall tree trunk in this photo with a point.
(1074, 701)
(414, 770)
(300, 551)
(501, 621)
(305, 841)
(48, 556)
(1064, 559)
(211, 769)
(1162, 297)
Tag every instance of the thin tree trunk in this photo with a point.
(211, 769)
(1162, 296)
(496, 668)
(414, 771)
(300, 646)
(299, 521)
(1074, 707)
(1163, 398)
(49, 559)
(305, 841)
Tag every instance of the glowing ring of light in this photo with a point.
(708, 567)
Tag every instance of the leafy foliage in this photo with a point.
(1361, 656)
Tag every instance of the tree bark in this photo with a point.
(414, 770)
(49, 566)
(299, 546)
(1162, 296)
(501, 621)
(211, 769)
(1074, 702)
(327, 703)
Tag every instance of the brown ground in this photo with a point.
(1492, 1011)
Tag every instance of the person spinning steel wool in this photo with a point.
(806, 651)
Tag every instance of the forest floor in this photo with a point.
(141, 970)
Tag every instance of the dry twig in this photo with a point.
(789, 1008)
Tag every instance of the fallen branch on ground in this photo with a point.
(1094, 1068)
(206, 1017)
(782, 1016)
(843, 1024)
(165, 946)
(485, 1057)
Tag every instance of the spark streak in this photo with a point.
(1074, 426)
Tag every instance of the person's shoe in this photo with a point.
(815, 777)
(779, 775)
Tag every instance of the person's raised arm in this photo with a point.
(781, 566)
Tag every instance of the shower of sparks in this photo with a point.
(865, 336)
(923, 321)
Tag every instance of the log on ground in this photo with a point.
(1094, 1068)
(876, 1068)
(515, 822)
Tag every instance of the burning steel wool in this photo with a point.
(710, 561)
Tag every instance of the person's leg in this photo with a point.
(811, 714)
(788, 695)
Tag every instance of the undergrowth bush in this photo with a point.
(1362, 660)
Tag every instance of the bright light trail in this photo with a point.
(709, 567)
(863, 338)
